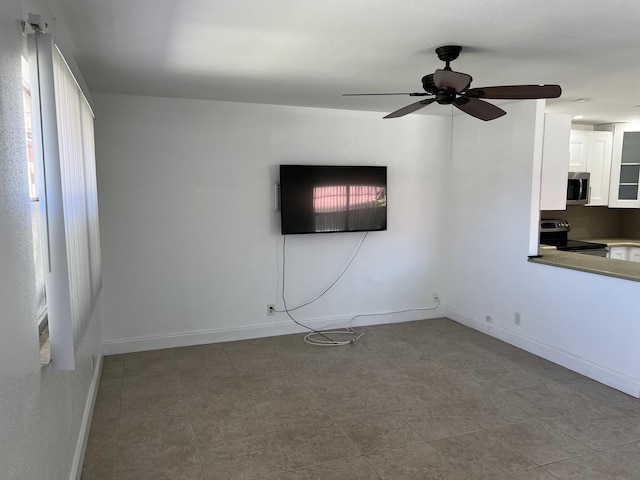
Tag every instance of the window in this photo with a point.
(64, 172)
(36, 224)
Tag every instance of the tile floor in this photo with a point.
(414, 401)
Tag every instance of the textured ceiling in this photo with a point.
(309, 52)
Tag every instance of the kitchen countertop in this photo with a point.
(614, 242)
(588, 263)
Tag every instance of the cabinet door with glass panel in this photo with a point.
(625, 166)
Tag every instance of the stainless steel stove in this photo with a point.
(555, 232)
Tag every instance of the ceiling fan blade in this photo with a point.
(414, 94)
(449, 79)
(410, 108)
(478, 108)
(515, 92)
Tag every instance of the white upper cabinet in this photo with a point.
(590, 151)
(625, 166)
(599, 166)
(555, 162)
(578, 150)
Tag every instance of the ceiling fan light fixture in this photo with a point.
(448, 87)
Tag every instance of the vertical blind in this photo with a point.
(79, 194)
(73, 280)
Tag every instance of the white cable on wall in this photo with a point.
(327, 338)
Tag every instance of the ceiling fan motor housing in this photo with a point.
(445, 96)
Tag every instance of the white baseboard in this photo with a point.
(183, 339)
(612, 378)
(85, 427)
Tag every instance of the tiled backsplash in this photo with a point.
(630, 223)
(599, 222)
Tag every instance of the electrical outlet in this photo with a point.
(516, 318)
(488, 319)
(271, 309)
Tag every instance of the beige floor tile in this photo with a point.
(107, 407)
(158, 382)
(492, 411)
(176, 466)
(111, 368)
(498, 378)
(481, 455)
(110, 388)
(416, 462)
(311, 364)
(626, 413)
(461, 358)
(424, 368)
(625, 456)
(288, 412)
(92, 472)
(549, 400)
(154, 437)
(148, 406)
(588, 467)
(595, 429)
(100, 454)
(349, 401)
(291, 346)
(356, 468)
(489, 410)
(200, 356)
(390, 347)
(275, 388)
(401, 394)
(532, 474)
(277, 476)
(149, 365)
(210, 377)
(162, 448)
(441, 419)
(149, 355)
(253, 348)
(257, 368)
(596, 392)
(540, 366)
(211, 430)
(224, 401)
(375, 432)
(313, 444)
(242, 459)
(539, 441)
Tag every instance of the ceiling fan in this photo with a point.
(447, 87)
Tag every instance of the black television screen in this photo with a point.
(325, 199)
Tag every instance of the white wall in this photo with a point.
(584, 321)
(42, 412)
(191, 244)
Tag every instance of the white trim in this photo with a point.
(612, 378)
(184, 339)
(85, 427)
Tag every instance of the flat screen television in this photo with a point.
(332, 198)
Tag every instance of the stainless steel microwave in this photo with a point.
(578, 188)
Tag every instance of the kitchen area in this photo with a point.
(590, 197)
